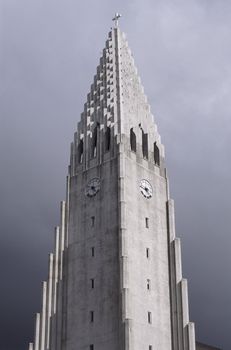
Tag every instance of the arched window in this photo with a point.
(80, 152)
(94, 143)
(132, 140)
(145, 144)
(156, 154)
(107, 139)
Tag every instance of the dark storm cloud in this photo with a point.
(49, 52)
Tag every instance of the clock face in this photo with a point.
(146, 188)
(92, 187)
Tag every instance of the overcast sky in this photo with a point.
(49, 50)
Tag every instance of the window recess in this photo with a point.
(147, 253)
(147, 222)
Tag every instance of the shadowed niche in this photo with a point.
(80, 151)
(94, 143)
(107, 139)
(156, 154)
(132, 140)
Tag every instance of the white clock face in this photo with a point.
(146, 188)
(92, 187)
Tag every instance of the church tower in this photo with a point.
(115, 278)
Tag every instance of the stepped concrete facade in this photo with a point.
(115, 276)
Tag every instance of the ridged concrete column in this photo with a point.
(178, 272)
(189, 328)
(123, 254)
(191, 336)
(172, 272)
(37, 332)
(53, 325)
(171, 219)
(62, 237)
(49, 300)
(59, 292)
(118, 80)
(72, 159)
(43, 317)
(55, 270)
(67, 209)
(175, 270)
(183, 333)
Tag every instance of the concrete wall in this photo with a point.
(103, 300)
(156, 299)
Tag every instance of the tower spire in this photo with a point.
(116, 19)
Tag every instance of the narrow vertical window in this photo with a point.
(132, 140)
(145, 144)
(92, 221)
(148, 284)
(156, 154)
(107, 139)
(150, 347)
(146, 222)
(149, 317)
(92, 283)
(80, 152)
(94, 143)
(91, 316)
(147, 253)
(92, 251)
(91, 347)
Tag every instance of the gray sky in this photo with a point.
(49, 52)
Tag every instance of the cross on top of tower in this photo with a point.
(116, 19)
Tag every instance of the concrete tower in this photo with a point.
(115, 279)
